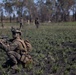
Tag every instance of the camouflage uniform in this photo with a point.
(21, 22)
(37, 23)
(15, 50)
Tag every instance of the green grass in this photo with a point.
(48, 52)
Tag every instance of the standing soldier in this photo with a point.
(2, 24)
(21, 22)
(37, 22)
(16, 50)
(2, 19)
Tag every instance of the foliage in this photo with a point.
(51, 53)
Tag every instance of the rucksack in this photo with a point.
(26, 58)
(28, 45)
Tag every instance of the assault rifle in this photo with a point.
(4, 38)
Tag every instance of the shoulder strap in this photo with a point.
(22, 42)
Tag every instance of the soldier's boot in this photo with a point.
(23, 65)
(8, 63)
(15, 69)
(4, 65)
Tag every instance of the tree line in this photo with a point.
(45, 10)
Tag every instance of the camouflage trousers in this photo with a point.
(22, 58)
(21, 25)
(14, 56)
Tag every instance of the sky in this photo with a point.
(0, 1)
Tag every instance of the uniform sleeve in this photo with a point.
(13, 46)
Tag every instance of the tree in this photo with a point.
(64, 7)
(54, 10)
(31, 9)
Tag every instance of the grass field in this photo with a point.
(54, 48)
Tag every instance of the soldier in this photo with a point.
(17, 50)
(37, 23)
(21, 22)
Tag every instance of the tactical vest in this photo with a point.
(24, 57)
(23, 44)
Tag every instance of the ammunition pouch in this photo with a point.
(25, 58)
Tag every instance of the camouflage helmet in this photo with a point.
(15, 30)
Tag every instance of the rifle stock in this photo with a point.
(3, 39)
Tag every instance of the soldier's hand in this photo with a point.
(26, 40)
(1, 42)
(8, 45)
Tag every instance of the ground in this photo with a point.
(54, 48)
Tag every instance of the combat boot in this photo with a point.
(15, 69)
(4, 65)
(23, 65)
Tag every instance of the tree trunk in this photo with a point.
(10, 19)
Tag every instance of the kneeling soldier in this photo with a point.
(17, 50)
